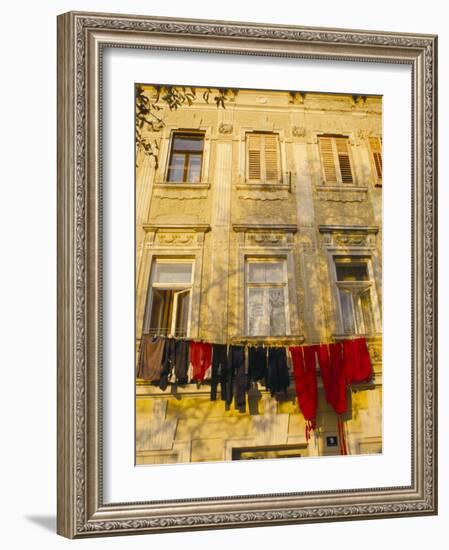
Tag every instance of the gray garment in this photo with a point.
(150, 359)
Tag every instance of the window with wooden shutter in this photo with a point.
(263, 159)
(376, 152)
(336, 160)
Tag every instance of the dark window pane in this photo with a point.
(161, 311)
(188, 143)
(353, 271)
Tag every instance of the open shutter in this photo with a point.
(272, 168)
(254, 157)
(343, 160)
(327, 160)
(376, 150)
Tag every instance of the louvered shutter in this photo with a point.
(263, 162)
(327, 160)
(343, 160)
(272, 168)
(254, 157)
(376, 150)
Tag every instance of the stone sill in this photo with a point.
(263, 187)
(181, 185)
(342, 187)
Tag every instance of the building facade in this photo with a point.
(259, 222)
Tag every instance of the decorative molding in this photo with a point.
(340, 236)
(263, 227)
(182, 235)
(174, 239)
(197, 228)
(341, 193)
(299, 131)
(225, 128)
(265, 239)
(263, 191)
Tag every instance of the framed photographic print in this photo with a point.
(247, 274)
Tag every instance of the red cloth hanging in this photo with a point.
(357, 361)
(200, 359)
(304, 372)
(325, 369)
(342, 436)
(336, 381)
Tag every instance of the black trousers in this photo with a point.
(236, 359)
(278, 378)
(220, 372)
(257, 363)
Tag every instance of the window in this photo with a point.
(186, 157)
(336, 160)
(262, 159)
(266, 297)
(355, 293)
(375, 144)
(169, 298)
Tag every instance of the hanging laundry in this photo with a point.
(220, 372)
(168, 361)
(181, 366)
(257, 363)
(200, 360)
(325, 369)
(236, 360)
(337, 380)
(278, 378)
(150, 357)
(342, 436)
(304, 372)
(357, 362)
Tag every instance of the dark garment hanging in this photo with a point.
(278, 378)
(150, 358)
(181, 360)
(257, 363)
(168, 361)
(236, 359)
(357, 362)
(219, 371)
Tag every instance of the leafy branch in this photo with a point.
(150, 112)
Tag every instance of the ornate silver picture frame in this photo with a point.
(82, 508)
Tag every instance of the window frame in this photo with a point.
(263, 169)
(176, 287)
(179, 132)
(356, 289)
(284, 285)
(336, 161)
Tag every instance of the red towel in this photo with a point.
(337, 380)
(304, 372)
(200, 358)
(325, 369)
(357, 362)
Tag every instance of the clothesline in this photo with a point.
(236, 367)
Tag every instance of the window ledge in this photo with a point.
(180, 185)
(263, 186)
